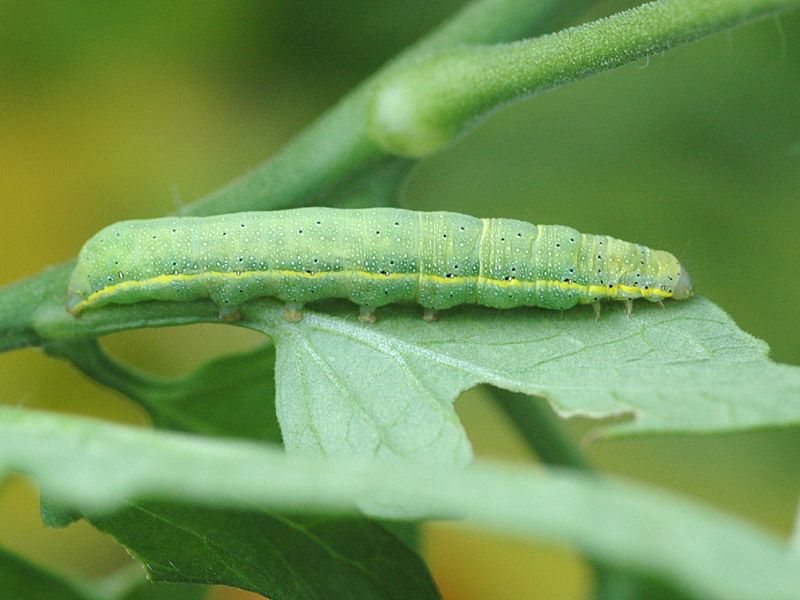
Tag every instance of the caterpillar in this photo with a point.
(372, 257)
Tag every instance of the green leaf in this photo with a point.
(230, 396)
(160, 591)
(626, 587)
(22, 580)
(349, 388)
(56, 515)
(277, 556)
(689, 547)
(233, 395)
(388, 389)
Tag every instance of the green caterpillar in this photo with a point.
(372, 257)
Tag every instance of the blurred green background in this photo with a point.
(111, 111)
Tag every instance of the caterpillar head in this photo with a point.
(685, 287)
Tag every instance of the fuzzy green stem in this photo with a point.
(495, 21)
(422, 107)
(20, 301)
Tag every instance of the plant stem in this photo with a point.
(338, 143)
(418, 109)
(87, 355)
(20, 301)
(545, 435)
(541, 429)
(333, 147)
(496, 21)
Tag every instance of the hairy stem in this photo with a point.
(418, 109)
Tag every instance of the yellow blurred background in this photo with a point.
(111, 111)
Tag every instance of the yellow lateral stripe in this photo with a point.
(564, 285)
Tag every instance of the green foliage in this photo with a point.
(277, 555)
(394, 383)
(21, 580)
(103, 468)
(303, 521)
(201, 401)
